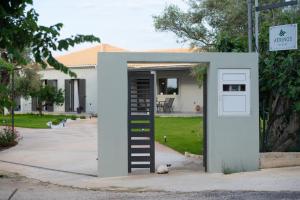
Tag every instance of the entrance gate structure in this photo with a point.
(232, 118)
(141, 147)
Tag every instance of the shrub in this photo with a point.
(56, 121)
(73, 117)
(8, 137)
(82, 117)
(95, 115)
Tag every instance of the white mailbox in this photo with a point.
(233, 92)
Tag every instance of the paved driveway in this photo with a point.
(74, 149)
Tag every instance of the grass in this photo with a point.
(31, 120)
(183, 133)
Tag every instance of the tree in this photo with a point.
(5, 101)
(27, 81)
(48, 95)
(4, 98)
(23, 41)
(20, 31)
(222, 26)
(280, 88)
(202, 23)
(28, 84)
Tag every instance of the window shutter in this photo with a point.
(67, 95)
(82, 94)
(33, 104)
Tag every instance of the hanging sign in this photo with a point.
(283, 37)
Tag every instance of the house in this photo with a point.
(172, 80)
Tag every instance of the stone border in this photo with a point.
(279, 159)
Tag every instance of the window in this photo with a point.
(168, 86)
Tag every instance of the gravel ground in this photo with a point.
(29, 189)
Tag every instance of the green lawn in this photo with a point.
(30, 120)
(183, 133)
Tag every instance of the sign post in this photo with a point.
(281, 4)
(283, 37)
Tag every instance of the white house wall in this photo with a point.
(25, 105)
(189, 93)
(89, 74)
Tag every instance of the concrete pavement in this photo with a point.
(20, 188)
(38, 191)
(68, 157)
(74, 149)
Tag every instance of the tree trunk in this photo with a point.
(284, 127)
(40, 107)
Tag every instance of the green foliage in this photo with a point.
(27, 82)
(199, 71)
(20, 31)
(187, 26)
(280, 70)
(56, 121)
(48, 95)
(228, 43)
(5, 69)
(5, 101)
(203, 21)
(8, 137)
(4, 65)
(73, 117)
(82, 117)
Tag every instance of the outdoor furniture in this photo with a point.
(166, 105)
(159, 106)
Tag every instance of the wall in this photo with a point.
(189, 94)
(279, 159)
(232, 141)
(25, 105)
(88, 73)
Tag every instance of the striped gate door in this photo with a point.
(141, 121)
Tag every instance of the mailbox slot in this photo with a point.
(233, 92)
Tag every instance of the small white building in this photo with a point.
(172, 81)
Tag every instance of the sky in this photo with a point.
(124, 23)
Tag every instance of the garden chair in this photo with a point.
(166, 105)
(160, 106)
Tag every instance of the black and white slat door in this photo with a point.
(141, 121)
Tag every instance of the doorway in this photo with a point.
(141, 129)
